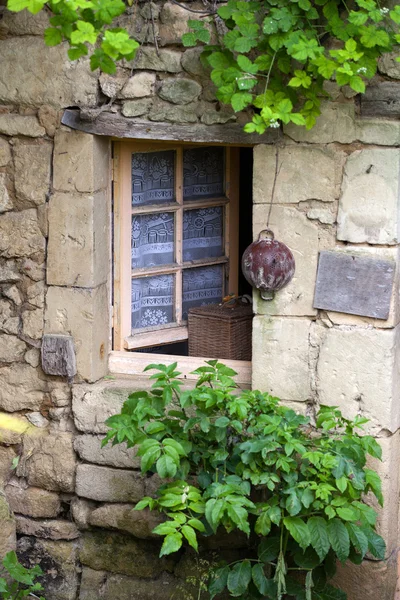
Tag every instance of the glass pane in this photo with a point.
(152, 301)
(202, 233)
(202, 286)
(152, 240)
(153, 177)
(203, 173)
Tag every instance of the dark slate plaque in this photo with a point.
(354, 284)
(58, 355)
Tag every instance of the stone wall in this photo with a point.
(67, 500)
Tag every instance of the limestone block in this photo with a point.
(124, 518)
(48, 529)
(109, 485)
(58, 560)
(33, 74)
(372, 579)
(118, 553)
(12, 428)
(217, 117)
(326, 215)
(82, 313)
(32, 323)
(32, 171)
(163, 111)
(78, 254)
(5, 152)
(49, 118)
(335, 124)
(281, 357)
(191, 62)
(294, 183)
(388, 65)
(32, 501)
(8, 539)
(99, 585)
(7, 455)
(11, 124)
(89, 449)
(111, 85)
(21, 387)
(174, 23)
(20, 234)
(81, 162)
(305, 239)
(24, 23)
(136, 108)
(168, 61)
(378, 131)
(37, 419)
(139, 85)
(32, 357)
(358, 371)
(13, 294)
(80, 511)
(5, 200)
(369, 205)
(150, 10)
(179, 91)
(33, 269)
(8, 323)
(35, 294)
(48, 461)
(11, 348)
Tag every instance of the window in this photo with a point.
(175, 237)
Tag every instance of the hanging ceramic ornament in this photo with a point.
(268, 264)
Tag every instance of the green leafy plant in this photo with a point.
(239, 460)
(20, 582)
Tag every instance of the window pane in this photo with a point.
(202, 286)
(153, 177)
(152, 240)
(203, 173)
(202, 233)
(152, 301)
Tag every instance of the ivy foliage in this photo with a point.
(239, 460)
(20, 581)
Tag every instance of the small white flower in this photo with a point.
(384, 11)
(274, 124)
(362, 70)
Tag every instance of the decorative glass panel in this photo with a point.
(203, 173)
(202, 233)
(152, 240)
(153, 177)
(152, 301)
(202, 286)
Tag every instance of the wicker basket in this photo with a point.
(220, 331)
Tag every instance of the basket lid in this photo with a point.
(220, 311)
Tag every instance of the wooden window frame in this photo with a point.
(122, 333)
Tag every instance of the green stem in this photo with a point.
(269, 72)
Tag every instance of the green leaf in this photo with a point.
(348, 513)
(149, 458)
(218, 60)
(372, 37)
(339, 538)
(266, 587)
(218, 581)
(357, 84)
(263, 524)
(240, 100)
(85, 32)
(196, 524)
(17, 5)
(166, 467)
(357, 538)
(298, 530)
(52, 36)
(239, 578)
(275, 514)
(189, 39)
(144, 503)
(78, 52)
(238, 515)
(190, 535)
(222, 422)
(374, 481)
(293, 504)
(172, 543)
(268, 550)
(341, 484)
(376, 545)
(318, 529)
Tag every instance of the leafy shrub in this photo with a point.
(239, 460)
(20, 582)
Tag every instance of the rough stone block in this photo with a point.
(32, 172)
(78, 253)
(335, 124)
(48, 461)
(367, 385)
(281, 357)
(217, 117)
(20, 234)
(388, 65)
(58, 355)
(111, 85)
(109, 485)
(21, 387)
(136, 108)
(5, 153)
(12, 428)
(32, 501)
(11, 124)
(47, 529)
(174, 23)
(163, 111)
(89, 449)
(83, 314)
(8, 538)
(99, 585)
(11, 348)
(32, 323)
(369, 205)
(124, 518)
(372, 579)
(7, 456)
(24, 23)
(179, 91)
(32, 74)
(294, 183)
(6, 203)
(81, 162)
(139, 85)
(378, 131)
(168, 61)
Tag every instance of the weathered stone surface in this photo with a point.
(81, 162)
(371, 579)
(81, 313)
(179, 91)
(163, 111)
(378, 131)
(191, 62)
(7, 455)
(12, 428)
(33, 269)
(8, 323)
(7, 524)
(99, 585)
(32, 323)
(293, 183)
(48, 461)
(11, 124)
(33, 74)
(388, 65)
(48, 529)
(21, 388)
(167, 60)
(118, 553)
(32, 171)
(5, 153)
(369, 205)
(109, 485)
(335, 124)
(37, 419)
(78, 226)
(89, 449)
(49, 118)
(35, 294)
(136, 108)
(32, 501)
(215, 117)
(11, 349)
(150, 10)
(13, 294)
(80, 511)
(32, 357)
(174, 23)
(281, 351)
(24, 23)
(9, 272)
(111, 85)
(367, 381)
(5, 200)
(381, 98)
(58, 561)
(20, 234)
(139, 85)
(327, 216)
(125, 518)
